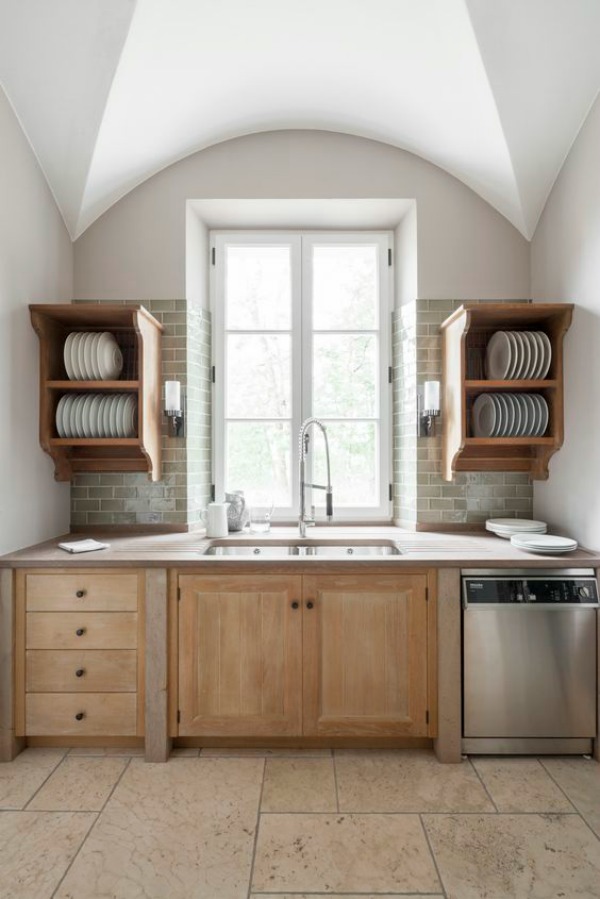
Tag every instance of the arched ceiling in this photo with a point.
(111, 91)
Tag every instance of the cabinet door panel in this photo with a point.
(365, 656)
(239, 656)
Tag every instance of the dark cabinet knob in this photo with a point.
(80, 631)
(80, 593)
(80, 672)
(295, 604)
(80, 716)
(310, 604)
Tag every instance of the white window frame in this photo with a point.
(301, 244)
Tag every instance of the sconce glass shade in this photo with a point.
(431, 396)
(172, 396)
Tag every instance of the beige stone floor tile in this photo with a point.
(177, 831)
(36, 849)
(299, 785)
(343, 854)
(108, 751)
(515, 856)
(580, 779)
(521, 785)
(21, 778)
(406, 781)
(79, 785)
(264, 752)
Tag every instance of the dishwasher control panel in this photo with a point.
(529, 590)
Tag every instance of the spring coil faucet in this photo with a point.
(304, 521)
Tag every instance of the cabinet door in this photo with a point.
(240, 656)
(365, 655)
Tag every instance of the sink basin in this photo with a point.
(272, 549)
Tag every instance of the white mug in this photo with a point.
(215, 517)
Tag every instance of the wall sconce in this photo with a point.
(428, 408)
(174, 408)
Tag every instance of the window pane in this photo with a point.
(258, 288)
(258, 460)
(345, 375)
(258, 376)
(353, 448)
(345, 288)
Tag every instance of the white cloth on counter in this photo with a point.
(83, 546)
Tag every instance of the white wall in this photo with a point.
(465, 248)
(36, 266)
(566, 268)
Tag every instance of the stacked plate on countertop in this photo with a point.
(509, 415)
(506, 527)
(92, 356)
(518, 356)
(545, 544)
(97, 415)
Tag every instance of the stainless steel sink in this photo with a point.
(278, 549)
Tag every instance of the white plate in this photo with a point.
(114, 430)
(66, 416)
(544, 543)
(522, 524)
(85, 407)
(87, 356)
(524, 356)
(504, 415)
(58, 415)
(531, 415)
(498, 357)
(547, 354)
(77, 416)
(514, 354)
(512, 415)
(484, 416)
(545, 416)
(535, 354)
(67, 356)
(106, 416)
(129, 416)
(75, 356)
(109, 357)
(94, 341)
(98, 420)
(516, 427)
(121, 415)
(538, 414)
(80, 349)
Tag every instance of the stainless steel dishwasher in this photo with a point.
(530, 661)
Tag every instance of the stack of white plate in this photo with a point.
(510, 415)
(518, 355)
(96, 415)
(547, 544)
(92, 356)
(506, 527)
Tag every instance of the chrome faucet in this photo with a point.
(304, 521)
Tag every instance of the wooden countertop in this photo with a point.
(185, 550)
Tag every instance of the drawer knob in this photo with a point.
(80, 716)
(80, 593)
(80, 672)
(80, 631)
(309, 604)
(295, 604)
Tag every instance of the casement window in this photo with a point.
(301, 328)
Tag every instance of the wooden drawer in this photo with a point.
(103, 714)
(83, 671)
(85, 591)
(81, 630)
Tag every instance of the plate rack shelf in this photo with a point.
(139, 337)
(465, 335)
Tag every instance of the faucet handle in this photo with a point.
(329, 504)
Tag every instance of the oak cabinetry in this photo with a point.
(313, 656)
(79, 653)
(139, 337)
(464, 339)
(240, 646)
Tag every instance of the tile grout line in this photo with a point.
(433, 858)
(446, 813)
(577, 811)
(335, 782)
(44, 782)
(258, 814)
(482, 782)
(91, 827)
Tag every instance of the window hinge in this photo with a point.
(390, 374)
(427, 717)
(390, 491)
(179, 716)
(212, 493)
(213, 374)
(213, 256)
(389, 256)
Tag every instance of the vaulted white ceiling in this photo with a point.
(111, 91)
